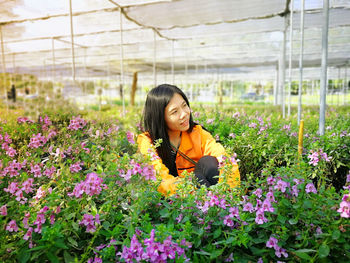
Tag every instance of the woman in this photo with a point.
(184, 144)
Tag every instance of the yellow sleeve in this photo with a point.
(168, 184)
(212, 148)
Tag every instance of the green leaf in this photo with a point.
(23, 255)
(75, 226)
(164, 212)
(68, 258)
(73, 242)
(307, 204)
(293, 221)
(69, 216)
(60, 243)
(257, 251)
(323, 251)
(106, 225)
(53, 258)
(202, 252)
(230, 240)
(217, 233)
(216, 253)
(303, 255)
(281, 219)
(336, 234)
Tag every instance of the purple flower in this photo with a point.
(130, 137)
(260, 217)
(179, 218)
(271, 180)
(76, 167)
(3, 210)
(28, 235)
(210, 121)
(12, 226)
(37, 141)
(272, 242)
(310, 188)
(258, 192)
(149, 173)
(91, 186)
(248, 207)
(281, 186)
(295, 191)
(344, 208)
(281, 251)
(90, 222)
(76, 123)
(266, 206)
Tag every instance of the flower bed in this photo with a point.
(74, 189)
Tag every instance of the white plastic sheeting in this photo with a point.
(235, 37)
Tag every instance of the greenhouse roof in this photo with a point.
(240, 38)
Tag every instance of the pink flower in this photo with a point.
(50, 171)
(3, 210)
(130, 137)
(52, 219)
(248, 207)
(40, 193)
(74, 168)
(12, 188)
(258, 192)
(266, 206)
(281, 251)
(12, 226)
(91, 186)
(272, 242)
(37, 141)
(344, 209)
(281, 185)
(36, 170)
(90, 222)
(28, 235)
(76, 123)
(149, 173)
(260, 218)
(11, 152)
(27, 185)
(310, 188)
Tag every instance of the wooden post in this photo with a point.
(133, 89)
(301, 134)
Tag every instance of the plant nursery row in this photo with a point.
(74, 188)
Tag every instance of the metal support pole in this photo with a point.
(345, 85)
(13, 69)
(324, 67)
(72, 39)
(338, 91)
(172, 62)
(4, 68)
(53, 60)
(122, 59)
(283, 69)
(275, 90)
(154, 59)
(290, 54)
(186, 72)
(301, 59)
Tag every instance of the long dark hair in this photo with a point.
(154, 119)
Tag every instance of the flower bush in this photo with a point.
(75, 189)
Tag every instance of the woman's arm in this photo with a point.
(212, 148)
(168, 184)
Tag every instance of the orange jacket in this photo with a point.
(195, 145)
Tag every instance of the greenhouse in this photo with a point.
(175, 131)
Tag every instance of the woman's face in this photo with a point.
(177, 114)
